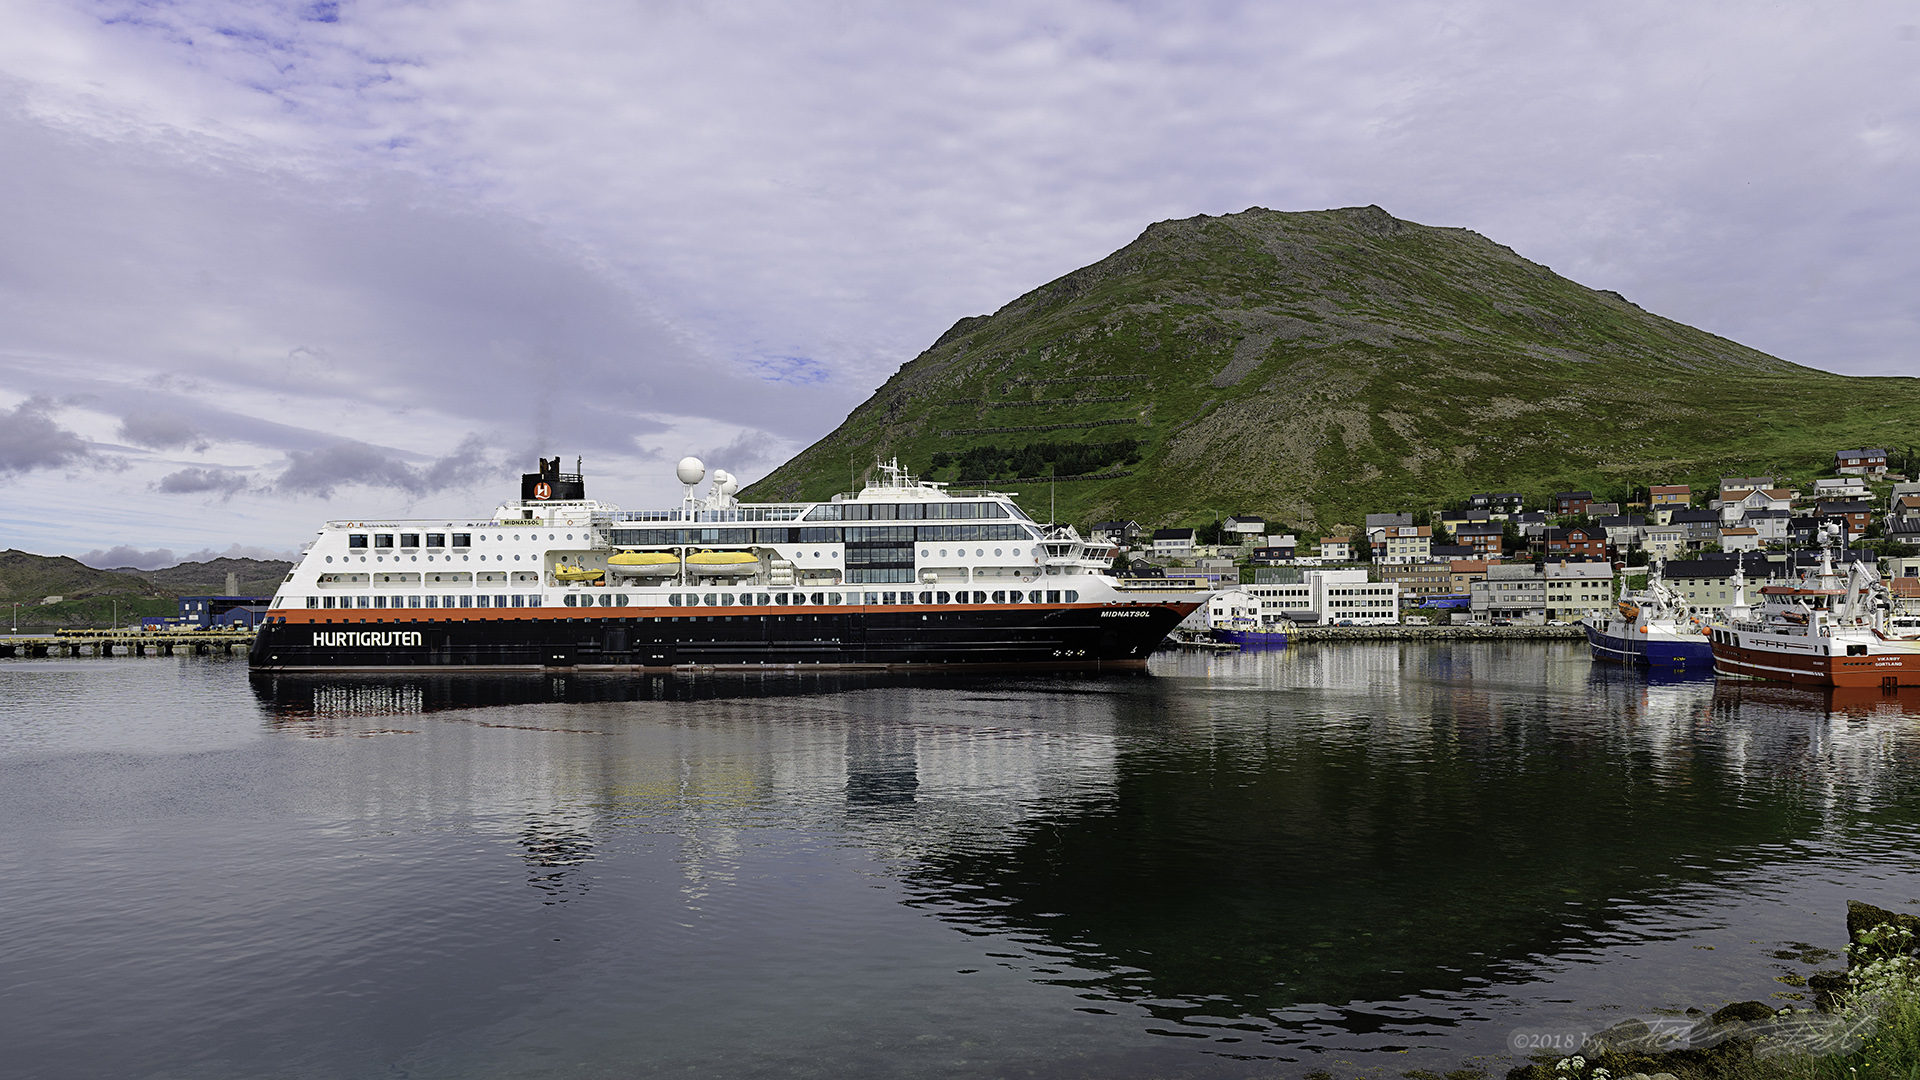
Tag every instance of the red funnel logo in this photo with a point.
(543, 490)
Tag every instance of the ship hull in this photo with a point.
(1614, 642)
(1077, 636)
(1795, 661)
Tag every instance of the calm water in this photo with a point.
(1362, 858)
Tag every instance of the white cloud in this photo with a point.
(253, 237)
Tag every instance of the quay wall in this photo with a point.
(1303, 634)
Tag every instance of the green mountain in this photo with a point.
(89, 597)
(1315, 367)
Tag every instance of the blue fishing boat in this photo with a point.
(1650, 628)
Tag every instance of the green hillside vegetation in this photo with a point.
(1315, 367)
(92, 597)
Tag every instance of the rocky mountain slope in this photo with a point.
(1313, 367)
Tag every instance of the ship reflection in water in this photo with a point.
(1263, 856)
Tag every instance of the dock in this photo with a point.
(127, 643)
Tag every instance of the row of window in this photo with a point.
(382, 602)
(906, 511)
(384, 541)
(358, 541)
(903, 534)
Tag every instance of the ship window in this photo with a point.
(999, 596)
(409, 540)
(979, 598)
(821, 598)
(461, 540)
(383, 540)
(712, 600)
(764, 598)
(356, 541)
(412, 601)
(433, 601)
(381, 601)
(435, 540)
(481, 601)
(942, 598)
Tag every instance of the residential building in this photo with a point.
(1419, 579)
(1242, 528)
(1580, 540)
(1702, 525)
(1705, 586)
(1905, 508)
(1123, 533)
(1336, 547)
(1445, 552)
(1462, 573)
(1664, 541)
(1404, 544)
(1669, 495)
(1739, 539)
(1484, 538)
(1903, 566)
(1509, 594)
(1382, 521)
(1452, 518)
(1603, 509)
(1840, 487)
(1743, 483)
(1769, 525)
(1857, 513)
(1269, 556)
(1739, 503)
(1532, 525)
(1866, 461)
(1497, 503)
(1570, 503)
(1623, 530)
(1575, 590)
(1902, 489)
(1173, 543)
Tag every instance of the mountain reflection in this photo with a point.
(1259, 852)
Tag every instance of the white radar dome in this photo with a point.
(725, 482)
(690, 471)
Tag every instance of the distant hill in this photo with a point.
(1314, 367)
(257, 577)
(92, 597)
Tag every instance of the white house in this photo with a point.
(1173, 543)
(1740, 539)
(1337, 548)
(1335, 596)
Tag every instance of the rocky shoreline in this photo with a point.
(1734, 1040)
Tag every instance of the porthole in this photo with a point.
(1016, 551)
(996, 553)
(923, 553)
(943, 553)
(329, 558)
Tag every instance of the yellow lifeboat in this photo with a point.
(645, 563)
(567, 572)
(723, 562)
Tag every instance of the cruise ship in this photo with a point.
(901, 574)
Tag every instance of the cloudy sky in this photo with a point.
(264, 263)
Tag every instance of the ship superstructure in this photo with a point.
(901, 572)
